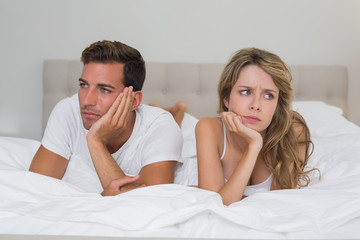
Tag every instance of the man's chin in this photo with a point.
(87, 124)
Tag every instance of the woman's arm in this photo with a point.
(234, 189)
(210, 171)
(211, 174)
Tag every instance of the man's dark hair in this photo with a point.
(116, 52)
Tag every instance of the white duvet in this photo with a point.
(329, 208)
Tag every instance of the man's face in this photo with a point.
(100, 84)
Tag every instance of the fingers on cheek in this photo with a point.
(237, 120)
(119, 98)
(115, 106)
(230, 124)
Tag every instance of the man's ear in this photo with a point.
(138, 96)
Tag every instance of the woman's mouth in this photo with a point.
(252, 119)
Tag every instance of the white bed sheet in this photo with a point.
(329, 208)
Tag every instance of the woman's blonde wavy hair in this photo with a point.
(280, 148)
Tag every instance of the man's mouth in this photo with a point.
(91, 115)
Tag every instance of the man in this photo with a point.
(103, 139)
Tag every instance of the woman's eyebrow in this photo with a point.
(270, 90)
(248, 87)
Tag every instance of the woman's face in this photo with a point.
(254, 97)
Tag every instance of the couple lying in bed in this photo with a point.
(104, 140)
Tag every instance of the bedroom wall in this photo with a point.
(300, 31)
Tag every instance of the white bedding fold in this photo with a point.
(34, 204)
(311, 209)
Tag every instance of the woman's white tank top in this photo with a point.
(250, 189)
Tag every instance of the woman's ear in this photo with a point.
(138, 96)
(226, 103)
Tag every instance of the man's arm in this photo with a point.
(48, 163)
(108, 170)
(113, 123)
(158, 173)
(106, 167)
(152, 174)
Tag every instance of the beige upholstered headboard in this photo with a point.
(195, 83)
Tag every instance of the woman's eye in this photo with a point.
(245, 92)
(269, 96)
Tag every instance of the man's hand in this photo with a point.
(116, 118)
(122, 185)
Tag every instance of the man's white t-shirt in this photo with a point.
(156, 137)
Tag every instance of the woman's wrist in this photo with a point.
(256, 145)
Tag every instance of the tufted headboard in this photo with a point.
(196, 84)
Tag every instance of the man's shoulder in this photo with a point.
(66, 111)
(73, 100)
(150, 113)
(68, 104)
(63, 127)
(152, 119)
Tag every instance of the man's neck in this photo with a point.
(118, 140)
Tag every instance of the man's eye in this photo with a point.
(82, 85)
(105, 90)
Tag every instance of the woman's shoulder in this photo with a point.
(209, 138)
(210, 126)
(209, 122)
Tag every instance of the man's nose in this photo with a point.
(91, 98)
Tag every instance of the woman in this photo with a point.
(258, 143)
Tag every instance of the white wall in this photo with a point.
(299, 31)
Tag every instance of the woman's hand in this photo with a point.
(233, 123)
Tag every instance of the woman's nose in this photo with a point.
(255, 105)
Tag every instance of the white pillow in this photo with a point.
(188, 131)
(17, 153)
(316, 107)
(186, 174)
(324, 120)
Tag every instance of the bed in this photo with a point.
(33, 206)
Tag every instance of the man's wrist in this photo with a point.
(94, 141)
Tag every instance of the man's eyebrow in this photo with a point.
(100, 84)
(106, 85)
